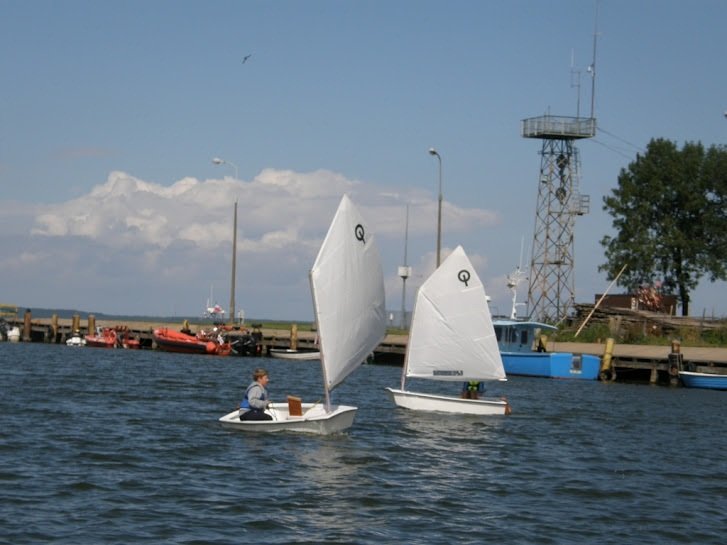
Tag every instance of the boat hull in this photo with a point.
(76, 341)
(181, 343)
(100, 341)
(711, 381)
(416, 401)
(552, 365)
(315, 420)
(287, 354)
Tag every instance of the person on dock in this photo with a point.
(256, 397)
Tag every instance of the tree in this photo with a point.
(670, 216)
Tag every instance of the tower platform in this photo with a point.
(558, 127)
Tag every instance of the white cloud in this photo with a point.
(135, 247)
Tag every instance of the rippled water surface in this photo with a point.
(113, 446)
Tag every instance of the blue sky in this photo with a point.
(110, 114)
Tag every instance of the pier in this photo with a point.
(626, 362)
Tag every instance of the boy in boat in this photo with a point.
(256, 397)
(472, 389)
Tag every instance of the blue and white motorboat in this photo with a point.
(712, 381)
(523, 352)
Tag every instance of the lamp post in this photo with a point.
(432, 151)
(218, 161)
(404, 272)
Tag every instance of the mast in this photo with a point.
(324, 373)
(234, 263)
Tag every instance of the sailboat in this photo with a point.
(452, 339)
(347, 284)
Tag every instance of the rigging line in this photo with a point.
(639, 148)
(622, 154)
(616, 148)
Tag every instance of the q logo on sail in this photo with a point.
(359, 233)
(464, 276)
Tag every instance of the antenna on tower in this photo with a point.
(575, 80)
(592, 67)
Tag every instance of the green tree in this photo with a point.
(670, 216)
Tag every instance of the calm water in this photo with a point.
(111, 446)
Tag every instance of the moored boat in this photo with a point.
(105, 337)
(170, 340)
(13, 334)
(76, 340)
(711, 381)
(246, 343)
(523, 353)
(290, 354)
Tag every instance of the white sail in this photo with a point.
(347, 284)
(451, 335)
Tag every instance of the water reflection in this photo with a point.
(330, 476)
(432, 433)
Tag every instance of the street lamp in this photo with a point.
(405, 271)
(218, 161)
(432, 151)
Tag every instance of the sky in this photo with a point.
(112, 112)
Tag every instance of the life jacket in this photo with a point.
(246, 402)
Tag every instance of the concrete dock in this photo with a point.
(639, 363)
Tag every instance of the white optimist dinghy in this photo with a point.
(452, 339)
(347, 284)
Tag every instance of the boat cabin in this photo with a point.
(517, 336)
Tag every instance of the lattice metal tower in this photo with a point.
(551, 293)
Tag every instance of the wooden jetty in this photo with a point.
(638, 363)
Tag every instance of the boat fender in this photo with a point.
(211, 347)
(508, 409)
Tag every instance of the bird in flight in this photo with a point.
(244, 59)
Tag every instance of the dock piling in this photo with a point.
(294, 336)
(607, 372)
(27, 326)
